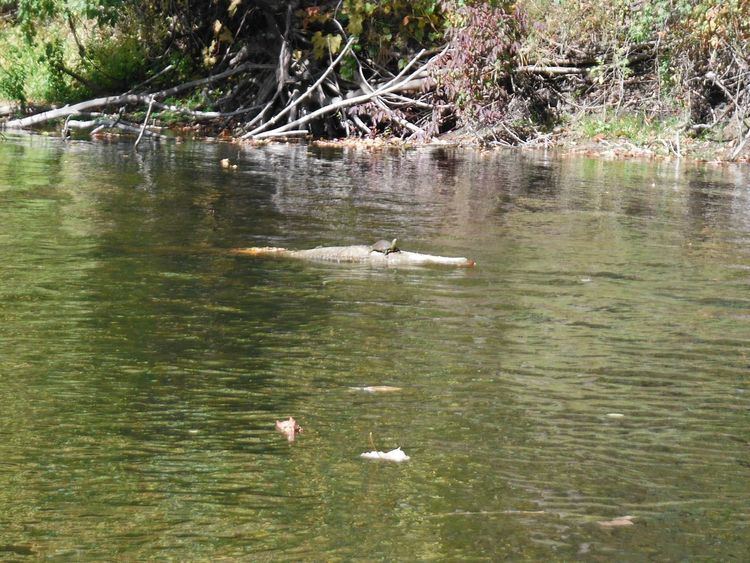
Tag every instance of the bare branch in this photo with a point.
(292, 133)
(109, 123)
(145, 122)
(304, 96)
(124, 99)
(391, 86)
(162, 72)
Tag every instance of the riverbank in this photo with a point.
(607, 140)
(613, 138)
(571, 142)
(653, 80)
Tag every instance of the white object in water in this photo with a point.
(377, 389)
(396, 455)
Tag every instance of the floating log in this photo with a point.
(358, 253)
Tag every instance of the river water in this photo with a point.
(595, 364)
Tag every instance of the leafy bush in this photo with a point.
(476, 73)
(13, 77)
(29, 71)
(115, 61)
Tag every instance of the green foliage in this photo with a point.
(29, 72)
(322, 44)
(13, 78)
(115, 61)
(387, 27)
(680, 44)
(636, 127)
(68, 49)
(32, 15)
(650, 17)
(475, 75)
(59, 87)
(384, 28)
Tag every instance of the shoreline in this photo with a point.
(699, 152)
(563, 143)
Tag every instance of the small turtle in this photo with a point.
(385, 247)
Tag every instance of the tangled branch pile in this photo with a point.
(500, 71)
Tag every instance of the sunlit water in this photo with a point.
(595, 364)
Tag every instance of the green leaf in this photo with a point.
(355, 24)
(334, 43)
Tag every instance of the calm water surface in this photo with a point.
(143, 367)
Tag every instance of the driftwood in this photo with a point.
(124, 99)
(395, 85)
(304, 96)
(358, 253)
(145, 122)
(100, 123)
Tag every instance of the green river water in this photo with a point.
(143, 366)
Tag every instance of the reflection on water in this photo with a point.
(595, 363)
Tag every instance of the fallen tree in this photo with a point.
(126, 99)
(358, 253)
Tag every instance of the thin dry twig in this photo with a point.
(145, 122)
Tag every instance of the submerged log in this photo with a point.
(358, 253)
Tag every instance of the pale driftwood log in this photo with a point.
(65, 130)
(359, 124)
(205, 114)
(124, 99)
(405, 123)
(162, 72)
(358, 253)
(110, 123)
(399, 100)
(380, 102)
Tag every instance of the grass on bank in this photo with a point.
(25, 77)
(639, 129)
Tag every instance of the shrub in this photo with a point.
(13, 77)
(476, 73)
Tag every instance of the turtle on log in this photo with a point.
(385, 247)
